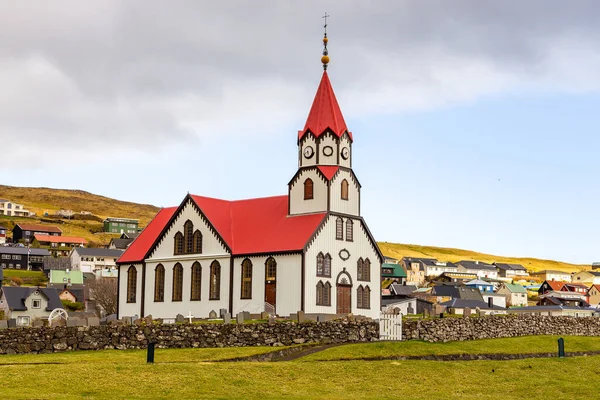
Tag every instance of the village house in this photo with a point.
(454, 277)
(481, 269)
(122, 242)
(494, 299)
(460, 306)
(11, 209)
(2, 234)
(121, 225)
(480, 285)
(28, 303)
(101, 262)
(515, 271)
(393, 273)
(22, 258)
(587, 278)
(556, 311)
(516, 295)
(309, 250)
(59, 245)
(564, 298)
(552, 275)
(419, 269)
(594, 295)
(26, 232)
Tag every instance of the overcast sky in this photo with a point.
(475, 122)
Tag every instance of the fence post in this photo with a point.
(561, 348)
(150, 356)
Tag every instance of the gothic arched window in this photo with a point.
(363, 297)
(327, 265)
(246, 279)
(308, 189)
(178, 244)
(188, 233)
(344, 190)
(320, 261)
(197, 245)
(215, 281)
(196, 281)
(366, 274)
(327, 294)
(177, 282)
(349, 230)
(271, 269)
(131, 284)
(339, 228)
(159, 283)
(359, 269)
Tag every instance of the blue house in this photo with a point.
(482, 286)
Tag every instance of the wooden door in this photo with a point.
(270, 293)
(344, 305)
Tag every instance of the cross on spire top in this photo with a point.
(325, 58)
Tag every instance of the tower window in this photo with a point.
(308, 189)
(344, 190)
(188, 230)
(339, 228)
(349, 230)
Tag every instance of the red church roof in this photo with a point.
(325, 112)
(247, 226)
(328, 171)
(259, 225)
(138, 249)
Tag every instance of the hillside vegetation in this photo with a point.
(46, 200)
(398, 251)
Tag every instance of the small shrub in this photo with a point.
(72, 306)
(16, 281)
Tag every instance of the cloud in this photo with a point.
(116, 75)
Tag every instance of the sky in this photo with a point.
(475, 122)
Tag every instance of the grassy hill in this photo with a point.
(398, 251)
(46, 200)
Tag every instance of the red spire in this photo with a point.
(325, 112)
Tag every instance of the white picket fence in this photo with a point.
(390, 326)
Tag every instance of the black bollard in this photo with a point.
(561, 348)
(150, 357)
(442, 315)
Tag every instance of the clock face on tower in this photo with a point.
(345, 153)
(327, 151)
(309, 151)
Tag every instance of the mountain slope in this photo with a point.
(398, 251)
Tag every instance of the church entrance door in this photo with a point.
(344, 305)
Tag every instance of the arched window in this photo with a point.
(197, 246)
(327, 294)
(177, 282)
(349, 230)
(339, 228)
(196, 281)
(159, 283)
(344, 190)
(188, 233)
(178, 243)
(320, 260)
(359, 269)
(215, 281)
(363, 297)
(327, 265)
(366, 275)
(246, 279)
(131, 284)
(308, 189)
(271, 270)
(320, 287)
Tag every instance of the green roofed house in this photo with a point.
(393, 273)
(62, 278)
(516, 295)
(121, 225)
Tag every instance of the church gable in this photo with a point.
(345, 193)
(189, 233)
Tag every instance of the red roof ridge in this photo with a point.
(325, 112)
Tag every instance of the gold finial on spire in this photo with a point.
(325, 58)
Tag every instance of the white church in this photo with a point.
(309, 250)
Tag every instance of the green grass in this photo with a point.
(520, 345)
(184, 374)
(21, 273)
(398, 250)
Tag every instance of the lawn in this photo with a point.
(28, 278)
(188, 373)
(521, 345)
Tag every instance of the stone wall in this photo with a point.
(118, 336)
(500, 326)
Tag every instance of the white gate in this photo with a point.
(390, 326)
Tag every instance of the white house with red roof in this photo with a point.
(309, 250)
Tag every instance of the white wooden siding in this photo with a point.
(288, 284)
(308, 140)
(345, 142)
(360, 247)
(130, 309)
(328, 140)
(319, 201)
(350, 206)
(199, 309)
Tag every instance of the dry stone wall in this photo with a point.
(118, 336)
(501, 326)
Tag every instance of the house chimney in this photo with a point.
(490, 302)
